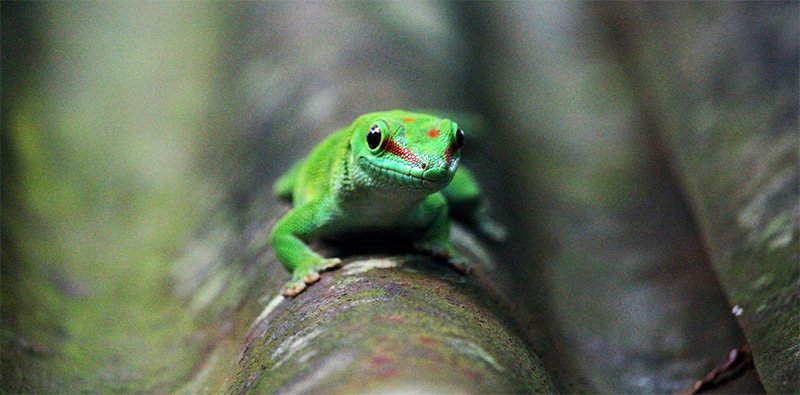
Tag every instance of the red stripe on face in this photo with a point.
(449, 152)
(404, 153)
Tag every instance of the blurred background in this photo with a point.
(643, 155)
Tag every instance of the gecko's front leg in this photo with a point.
(289, 238)
(434, 238)
(468, 205)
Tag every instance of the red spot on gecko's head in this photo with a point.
(433, 133)
(408, 120)
(449, 153)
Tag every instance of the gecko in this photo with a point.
(392, 173)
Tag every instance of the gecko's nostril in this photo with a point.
(424, 165)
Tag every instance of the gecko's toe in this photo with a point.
(330, 264)
(436, 252)
(293, 289)
(460, 265)
(311, 278)
(494, 231)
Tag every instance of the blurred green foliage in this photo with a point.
(105, 134)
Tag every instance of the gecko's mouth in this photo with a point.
(408, 175)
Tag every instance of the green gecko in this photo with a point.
(392, 173)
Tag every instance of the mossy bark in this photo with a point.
(391, 323)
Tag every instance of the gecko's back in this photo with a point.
(321, 169)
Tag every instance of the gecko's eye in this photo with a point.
(374, 137)
(459, 138)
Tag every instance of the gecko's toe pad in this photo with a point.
(311, 278)
(303, 278)
(293, 289)
(330, 264)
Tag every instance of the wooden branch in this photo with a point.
(387, 323)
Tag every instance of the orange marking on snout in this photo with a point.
(433, 133)
(408, 120)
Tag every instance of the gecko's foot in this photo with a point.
(457, 262)
(460, 264)
(493, 231)
(330, 264)
(301, 279)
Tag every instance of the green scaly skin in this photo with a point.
(399, 181)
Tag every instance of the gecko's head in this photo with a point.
(400, 149)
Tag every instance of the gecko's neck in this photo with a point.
(382, 206)
(373, 196)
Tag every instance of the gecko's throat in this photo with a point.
(406, 175)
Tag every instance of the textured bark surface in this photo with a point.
(393, 323)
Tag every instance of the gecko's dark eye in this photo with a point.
(374, 137)
(459, 138)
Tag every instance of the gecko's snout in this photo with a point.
(436, 174)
